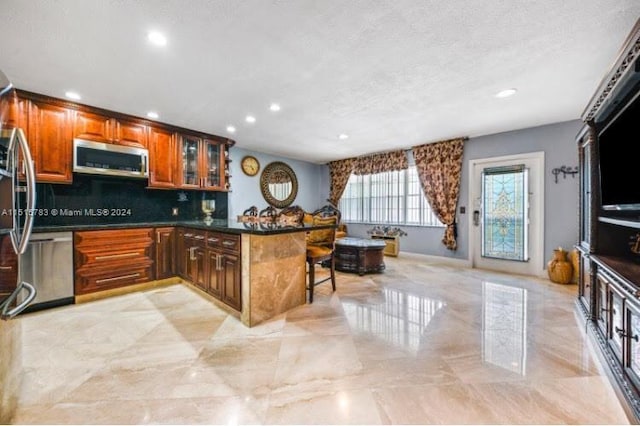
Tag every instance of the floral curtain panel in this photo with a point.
(339, 172)
(380, 163)
(439, 167)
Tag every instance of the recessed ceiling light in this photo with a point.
(231, 129)
(157, 38)
(506, 93)
(73, 95)
(343, 136)
(152, 114)
(274, 107)
(250, 119)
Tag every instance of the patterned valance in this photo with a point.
(380, 163)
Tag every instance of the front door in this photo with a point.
(507, 219)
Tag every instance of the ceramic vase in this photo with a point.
(559, 268)
(574, 258)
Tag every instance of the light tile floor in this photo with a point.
(421, 343)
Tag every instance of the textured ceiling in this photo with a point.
(389, 73)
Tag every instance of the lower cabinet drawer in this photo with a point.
(224, 241)
(112, 258)
(98, 279)
(114, 255)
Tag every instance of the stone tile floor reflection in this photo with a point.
(421, 343)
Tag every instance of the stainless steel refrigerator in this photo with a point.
(17, 201)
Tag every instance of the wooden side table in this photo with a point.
(392, 244)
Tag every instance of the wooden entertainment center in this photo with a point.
(609, 231)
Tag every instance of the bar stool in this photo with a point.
(321, 248)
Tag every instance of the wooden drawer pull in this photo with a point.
(6, 268)
(117, 256)
(121, 277)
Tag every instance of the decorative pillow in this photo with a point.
(322, 235)
(307, 219)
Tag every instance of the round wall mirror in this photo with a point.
(278, 184)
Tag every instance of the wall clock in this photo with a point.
(250, 165)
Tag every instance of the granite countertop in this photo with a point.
(220, 225)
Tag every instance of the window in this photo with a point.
(387, 198)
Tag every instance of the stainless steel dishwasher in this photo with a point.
(48, 265)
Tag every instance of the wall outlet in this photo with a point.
(174, 211)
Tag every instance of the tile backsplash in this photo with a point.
(106, 200)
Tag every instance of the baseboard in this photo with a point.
(83, 298)
(460, 263)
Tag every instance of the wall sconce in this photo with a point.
(565, 170)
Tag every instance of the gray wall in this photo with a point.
(245, 190)
(561, 199)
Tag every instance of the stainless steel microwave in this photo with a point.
(107, 159)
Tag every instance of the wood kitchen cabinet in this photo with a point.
(112, 258)
(178, 158)
(181, 254)
(50, 140)
(103, 128)
(162, 158)
(201, 163)
(165, 252)
(223, 255)
(48, 128)
(195, 258)
(211, 261)
(230, 267)
(17, 112)
(8, 266)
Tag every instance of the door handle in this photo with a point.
(476, 217)
(121, 277)
(117, 256)
(10, 313)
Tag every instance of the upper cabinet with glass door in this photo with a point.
(587, 163)
(201, 164)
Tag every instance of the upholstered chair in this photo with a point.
(292, 215)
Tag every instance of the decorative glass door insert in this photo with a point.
(505, 208)
(190, 161)
(212, 158)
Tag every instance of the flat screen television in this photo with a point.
(618, 144)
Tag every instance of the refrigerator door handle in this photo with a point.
(20, 242)
(7, 313)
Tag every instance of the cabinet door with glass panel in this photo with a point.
(586, 160)
(213, 170)
(201, 163)
(632, 336)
